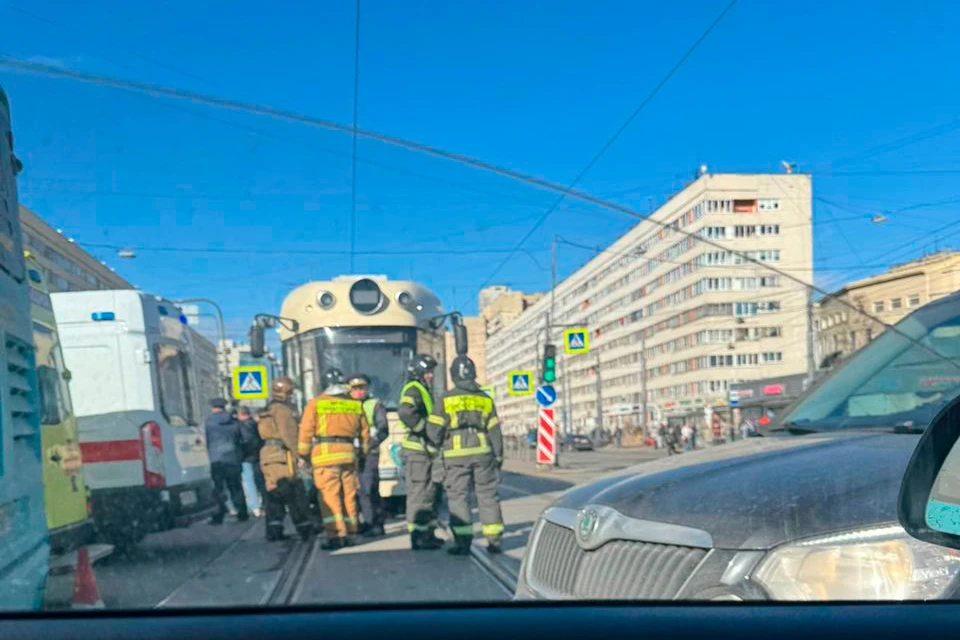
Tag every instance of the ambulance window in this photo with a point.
(176, 392)
(53, 398)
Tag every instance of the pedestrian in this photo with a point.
(465, 425)
(225, 448)
(686, 435)
(331, 423)
(661, 435)
(251, 476)
(746, 428)
(278, 428)
(419, 454)
(371, 506)
(618, 436)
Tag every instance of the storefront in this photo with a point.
(760, 401)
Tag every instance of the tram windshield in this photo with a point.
(382, 353)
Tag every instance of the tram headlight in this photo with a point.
(405, 298)
(326, 300)
(366, 297)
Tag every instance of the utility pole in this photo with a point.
(599, 396)
(222, 363)
(811, 363)
(643, 380)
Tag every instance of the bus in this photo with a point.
(362, 324)
(64, 490)
(24, 547)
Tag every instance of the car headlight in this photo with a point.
(872, 564)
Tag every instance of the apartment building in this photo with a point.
(66, 265)
(888, 296)
(500, 306)
(685, 295)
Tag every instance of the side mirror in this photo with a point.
(460, 339)
(929, 503)
(256, 340)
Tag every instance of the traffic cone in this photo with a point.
(86, 595)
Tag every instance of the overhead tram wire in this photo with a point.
(306, 252)
(609, 143)
(353, 158)
(540, 183)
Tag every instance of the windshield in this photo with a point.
(382, 354)
(898, 380)
(678, 284)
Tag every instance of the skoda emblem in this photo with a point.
(588, 520)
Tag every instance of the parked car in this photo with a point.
(808, 511)
(579, 442)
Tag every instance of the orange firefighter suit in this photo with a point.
(332, 426)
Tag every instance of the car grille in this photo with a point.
(620, 569)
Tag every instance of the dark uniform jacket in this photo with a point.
(416, 405)
(464, 423)
(224, 439)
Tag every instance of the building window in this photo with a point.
(913, 301)
(853, 340)
(869, 335)
(773, 356)
(878, 306)
(896, 303)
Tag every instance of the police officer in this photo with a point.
(278, 429)
(331, 423)
(416, 405)
(465, 424)
(376, 414)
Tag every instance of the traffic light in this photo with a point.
(549, 372)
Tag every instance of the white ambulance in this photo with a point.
(133, 364)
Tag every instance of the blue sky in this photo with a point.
(534, 86)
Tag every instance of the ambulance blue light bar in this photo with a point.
(103, 316)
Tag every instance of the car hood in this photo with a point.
(761, 492)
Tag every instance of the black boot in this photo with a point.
(306, 531)
(274, 532)
(425, 541)
(461, 546)
(332, 544)
(374, 531)
(493, 545)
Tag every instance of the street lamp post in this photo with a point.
(222, 363)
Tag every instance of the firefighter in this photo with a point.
(370, 504)
(465, 425)
(277, 426)
(416, 405)
(331, 423)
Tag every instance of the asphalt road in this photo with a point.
(232, 565)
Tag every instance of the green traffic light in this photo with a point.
(549, 375)
(549, 363)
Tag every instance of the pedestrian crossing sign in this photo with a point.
(520, 383)
(576, 341)
(250, 382)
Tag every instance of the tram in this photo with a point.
(361, 324)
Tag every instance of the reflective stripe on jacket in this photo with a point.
(465, 424)
(329, 426)
(416, 404)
